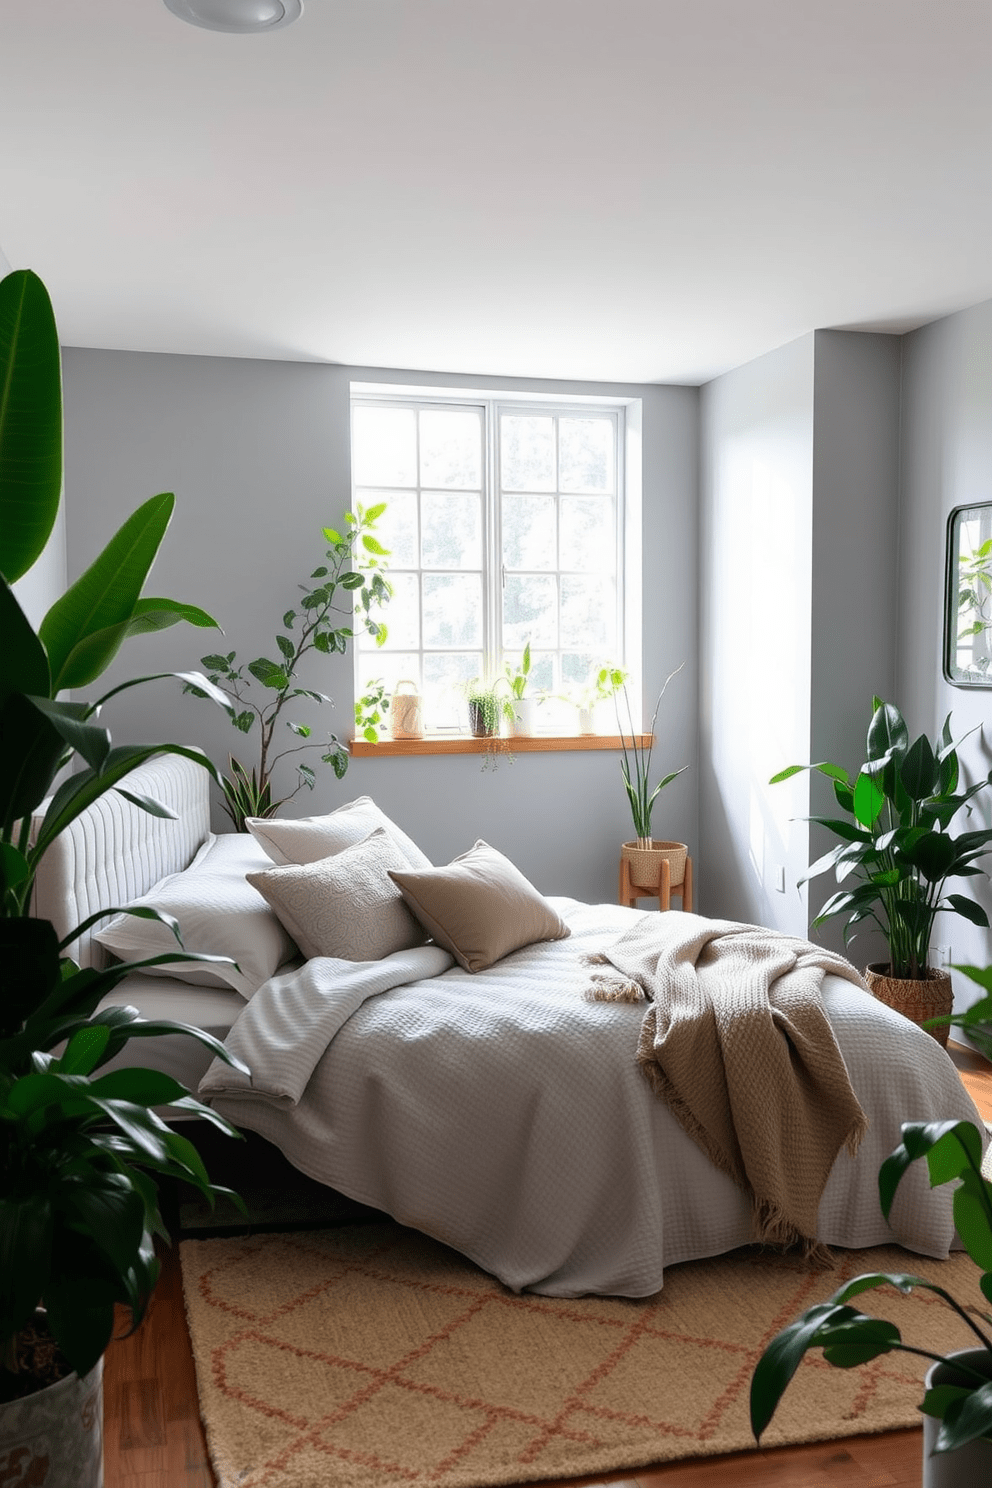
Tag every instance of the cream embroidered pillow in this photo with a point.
(345, 905)
(480, 908)
(314, 837)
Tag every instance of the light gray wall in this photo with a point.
(755, 536)
(799, 513)
(258, 455)
(946, 462)
(855, 573)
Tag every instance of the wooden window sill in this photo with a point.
(515, 744)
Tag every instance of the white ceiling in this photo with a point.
(628, 190)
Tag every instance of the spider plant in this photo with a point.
(635, 767)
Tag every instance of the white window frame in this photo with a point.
(626, 413)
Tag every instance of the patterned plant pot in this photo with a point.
(54, 1438)
(917, 1000)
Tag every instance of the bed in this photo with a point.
(493, 1109)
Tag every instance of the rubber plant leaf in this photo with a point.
(104, 598)
(30, 422)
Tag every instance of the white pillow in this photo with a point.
(219, 913)
(346, 905)
(311, 838)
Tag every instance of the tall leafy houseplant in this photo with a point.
(80, 1147)
(897, 849)
(351, 578)
(635, 766)
(848, 1337)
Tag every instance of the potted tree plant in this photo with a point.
(351, 576)
(896, 853)
(80, 1147)
(957, 1400)
(641, 860)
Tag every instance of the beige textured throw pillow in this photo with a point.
(345, 905)
(310, 838)
(480, 908)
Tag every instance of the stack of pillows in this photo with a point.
(351, 885)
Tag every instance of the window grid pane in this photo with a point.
(476, 578)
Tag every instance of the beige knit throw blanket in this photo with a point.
(736, 1041)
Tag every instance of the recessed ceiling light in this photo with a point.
(237, 15)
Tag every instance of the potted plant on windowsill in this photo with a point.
(957, 1401)
(896, 853)
(523, 708)
(641, 860)
(590, 700)
(80, 1147)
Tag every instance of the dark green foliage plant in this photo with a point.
(81, 1146)
(898, 848)
(976, 1021)
(848, 1337)
(349, 584)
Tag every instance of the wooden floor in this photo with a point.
(154, 1439)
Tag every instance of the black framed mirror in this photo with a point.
(968, 597)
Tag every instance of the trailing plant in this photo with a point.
(848, 1337)
(371, 709)
(350, 584)
(80, 1147)
(635, 766)
(487, 708)
(897, 848)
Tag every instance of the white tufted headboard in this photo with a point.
(114, 851)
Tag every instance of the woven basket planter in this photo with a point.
(645, 863)
(916, 1000)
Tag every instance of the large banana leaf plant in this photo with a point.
(80, 1145)
(898, 847)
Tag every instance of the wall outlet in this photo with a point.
(779, 877)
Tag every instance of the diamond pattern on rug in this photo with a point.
(372, 1355)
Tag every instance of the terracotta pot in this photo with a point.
(916, 1000)
(54, 1438)
(645, 863)
(970, 1465)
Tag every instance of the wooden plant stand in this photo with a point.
(630, 893)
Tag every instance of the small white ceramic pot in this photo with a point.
(524, 715)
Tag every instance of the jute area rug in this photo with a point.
(369, 1355)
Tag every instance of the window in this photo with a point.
(505, 524)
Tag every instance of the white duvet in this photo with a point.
(506, 1116)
